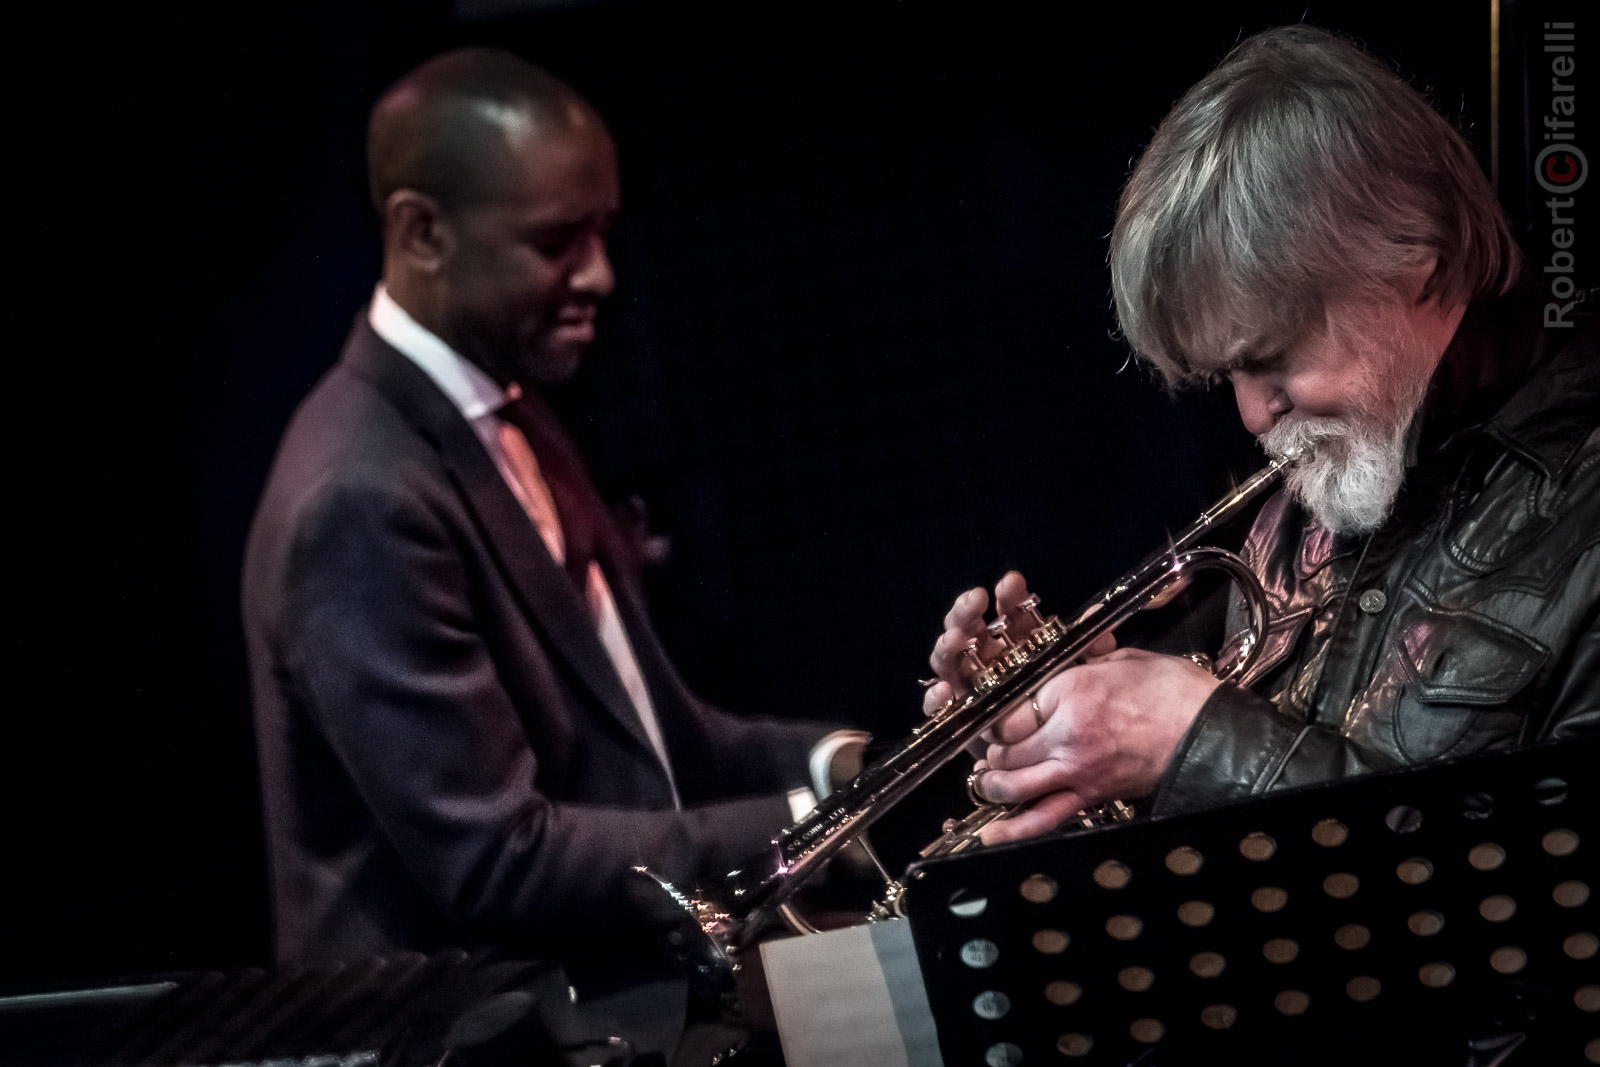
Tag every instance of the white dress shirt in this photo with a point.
(479, 398)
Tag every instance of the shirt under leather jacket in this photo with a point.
(1467, 622)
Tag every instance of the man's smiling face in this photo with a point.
(529, 265)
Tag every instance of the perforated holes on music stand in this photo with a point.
(1580, 946)
(1074, 1045)
(1038, 889)
(1051, 942)
(1487, 856)
(979, 953)
(1063, 993)
(1124, 927)
(1436, 975)
(1136, 979)
(1281, 950)
(1002, 1054)
(1362, 988)
(1414, 871)
(1112, 875)
(1352, 937)
(1146, 1031)
(1571, 894)
(1269, 898)
(1185, 861)
(1497, 908)
(1561, 842)
(1425, 923)
(1424, 901)
(1257, 846)
(964, 904)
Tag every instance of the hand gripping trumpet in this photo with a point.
(707, 929)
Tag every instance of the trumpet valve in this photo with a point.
(987, 679)
(1013, 653)
(1048, 634)
(1015, 656)
(1031, 606)
(1045, 631)
(984, 676)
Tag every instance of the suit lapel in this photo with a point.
(542, 585)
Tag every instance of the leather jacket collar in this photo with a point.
(1493, 379)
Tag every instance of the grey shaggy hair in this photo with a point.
(1299, 170)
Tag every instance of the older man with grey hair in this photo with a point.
(1305, 227)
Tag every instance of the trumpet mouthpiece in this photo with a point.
(1289, 457)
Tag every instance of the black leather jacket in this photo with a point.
(1468, 622)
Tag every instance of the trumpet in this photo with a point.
(707, 929)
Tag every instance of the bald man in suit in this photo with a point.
(468, 729)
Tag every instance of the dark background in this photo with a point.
(859, 359)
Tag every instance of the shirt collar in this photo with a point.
(472, 391)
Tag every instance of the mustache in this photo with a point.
(1304, 436)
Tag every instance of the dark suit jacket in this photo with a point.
(448, 757)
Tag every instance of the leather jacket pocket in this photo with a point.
(1462, 673)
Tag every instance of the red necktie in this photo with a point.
(584, 519)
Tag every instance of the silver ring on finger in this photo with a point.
(975, 786)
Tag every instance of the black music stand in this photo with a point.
(1439, 915)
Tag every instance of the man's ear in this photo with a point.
(1424, 280)
(416, 231)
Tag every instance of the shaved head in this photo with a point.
(447, 128)
(496, 188)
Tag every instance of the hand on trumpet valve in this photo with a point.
(1101, 731)
(969, 640)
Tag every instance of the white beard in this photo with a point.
(1353, 472)
(1354, 464)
